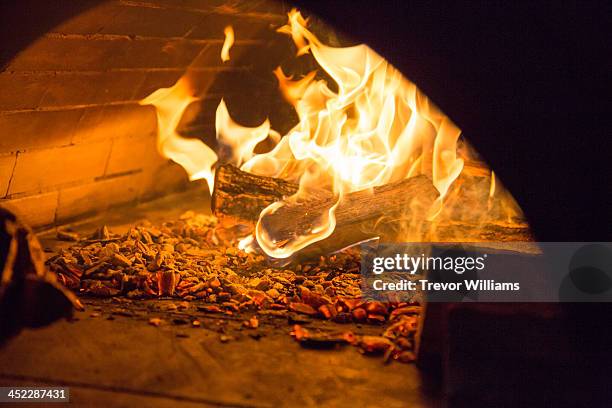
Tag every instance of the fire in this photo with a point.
(227, 44)
(371, 127)
(293, 90)
(375, 129)
(240, 140)
(492, 186)
(194, 155)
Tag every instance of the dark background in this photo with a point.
(527, 82)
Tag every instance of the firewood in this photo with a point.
(361, 215)
(453, 231)
(239, 198)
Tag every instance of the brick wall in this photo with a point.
(73, 139)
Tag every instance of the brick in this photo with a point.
(37, 129)
(211, 26)
(222, 6)
(91, 89)
(114, 18)
(133, 153)
(152, 22)
(200, 81)
(7, 163)
(36, 211)
(21, 91)
(166, 178)
(42, 90)
(92, 20)
(115, 121)
(73, 54)
(210, 57)
(195, 5)
(155, 80)
(93, 197)
(42, 169)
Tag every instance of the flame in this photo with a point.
(293, 91)
(296, 21)
(371, 127)
(376, 128)
(194, 155)
(240, 140)
(246, 243)
(227, 44)
(492, 185)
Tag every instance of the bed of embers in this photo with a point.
(183, 262)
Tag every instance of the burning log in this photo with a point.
(454, 231)
(239, 198)
(361, 215)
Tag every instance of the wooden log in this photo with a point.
(239, 196)
(457, 231)
(361, 215)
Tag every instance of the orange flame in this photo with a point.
(194, 155)
(293, 91)
(293, 29)
(227, 44)
(375, 129)
(241, 140)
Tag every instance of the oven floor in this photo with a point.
(110, 355)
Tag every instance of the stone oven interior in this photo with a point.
(82, 154)
(80, 142)
(79, 162)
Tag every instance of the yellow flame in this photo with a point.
(245, 244)
(376, 128)
(293, 91)
(227, 44)
(192, 154)
(293, 29)
(241, 140)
